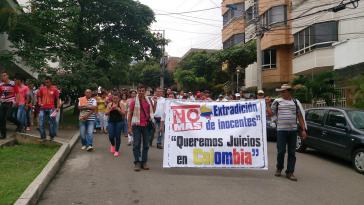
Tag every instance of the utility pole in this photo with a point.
(164, 59)
(258, 28)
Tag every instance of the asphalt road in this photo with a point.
(100, 179)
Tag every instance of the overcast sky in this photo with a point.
(203, 31)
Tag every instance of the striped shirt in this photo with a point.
(7, 91)
(90, 102)
(286, 112)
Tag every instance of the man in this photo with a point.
(48, 96)
(237, 96)
(87, 106)
(158, 114)
(21, 101)
(7, 100)
(140, 117)
(260, 94)
(288, 111)
(190, 96)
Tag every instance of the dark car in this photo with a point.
(271, 129)
(339, 132)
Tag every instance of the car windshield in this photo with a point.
(357, 118)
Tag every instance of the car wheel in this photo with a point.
(358, 160)
(300, 146)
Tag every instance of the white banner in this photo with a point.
(216, 135)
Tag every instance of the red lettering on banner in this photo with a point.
(186, 118)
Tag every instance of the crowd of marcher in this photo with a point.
(135, 114)
(23, 104)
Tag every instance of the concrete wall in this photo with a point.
(323, 57)
(251, 76)
(343, 58)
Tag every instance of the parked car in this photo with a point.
(339, 132)
(271, 129)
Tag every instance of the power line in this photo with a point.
(184, 31)
(204, 23)
(187, 12)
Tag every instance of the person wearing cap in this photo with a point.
(260, 94)
(288, 111)
(237, 96)
(190, 96)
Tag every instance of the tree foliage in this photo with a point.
(202, 70)
(94, 41)
(148, 73)
(358, 82)
(317, 87)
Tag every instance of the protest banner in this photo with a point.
(215, 135)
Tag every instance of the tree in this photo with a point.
(202, 70)
(358, 82)
(148, 73)
(94, 40)
(318, 87)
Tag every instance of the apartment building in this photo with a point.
(15, 66)
(276, 44)
(328, 40)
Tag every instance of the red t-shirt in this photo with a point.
(48, 96)
(143, 118)
(22, 91)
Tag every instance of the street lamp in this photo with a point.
(237, 78)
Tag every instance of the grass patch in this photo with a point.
(19, 165)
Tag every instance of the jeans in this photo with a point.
(286, 138)
(140, 134)
(86, 132)
(21, 117)
(115, 133)
(125, 127)
(7, 111)
(103, 120)
(46, 113)
(160, 135)
(29, 117)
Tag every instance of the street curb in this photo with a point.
(33, 192)
(7, 142)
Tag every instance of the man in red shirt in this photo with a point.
(21, 99)
(139, 117)
(7, 101)
(47, 96)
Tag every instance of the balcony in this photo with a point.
(276, 37)
(264, 5)
(317, 60)
(236, 26)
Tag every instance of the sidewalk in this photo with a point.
(63, 134)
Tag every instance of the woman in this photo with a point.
(124, 101)
(101, 110)
(116, 112)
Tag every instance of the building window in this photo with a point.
(269, 59)
(275, 16)
(315, 36)
(234, 40)
(233, 13)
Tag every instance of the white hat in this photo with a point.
(284, 87)
(260, 92)
(237, 94)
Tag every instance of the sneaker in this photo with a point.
(28, 129)
(137, 167)
(116, 154)
(291, 177)
(90, 149)
(278, 173)
(112, 149)
(159, 146)
(83, 147)
(145, 166)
